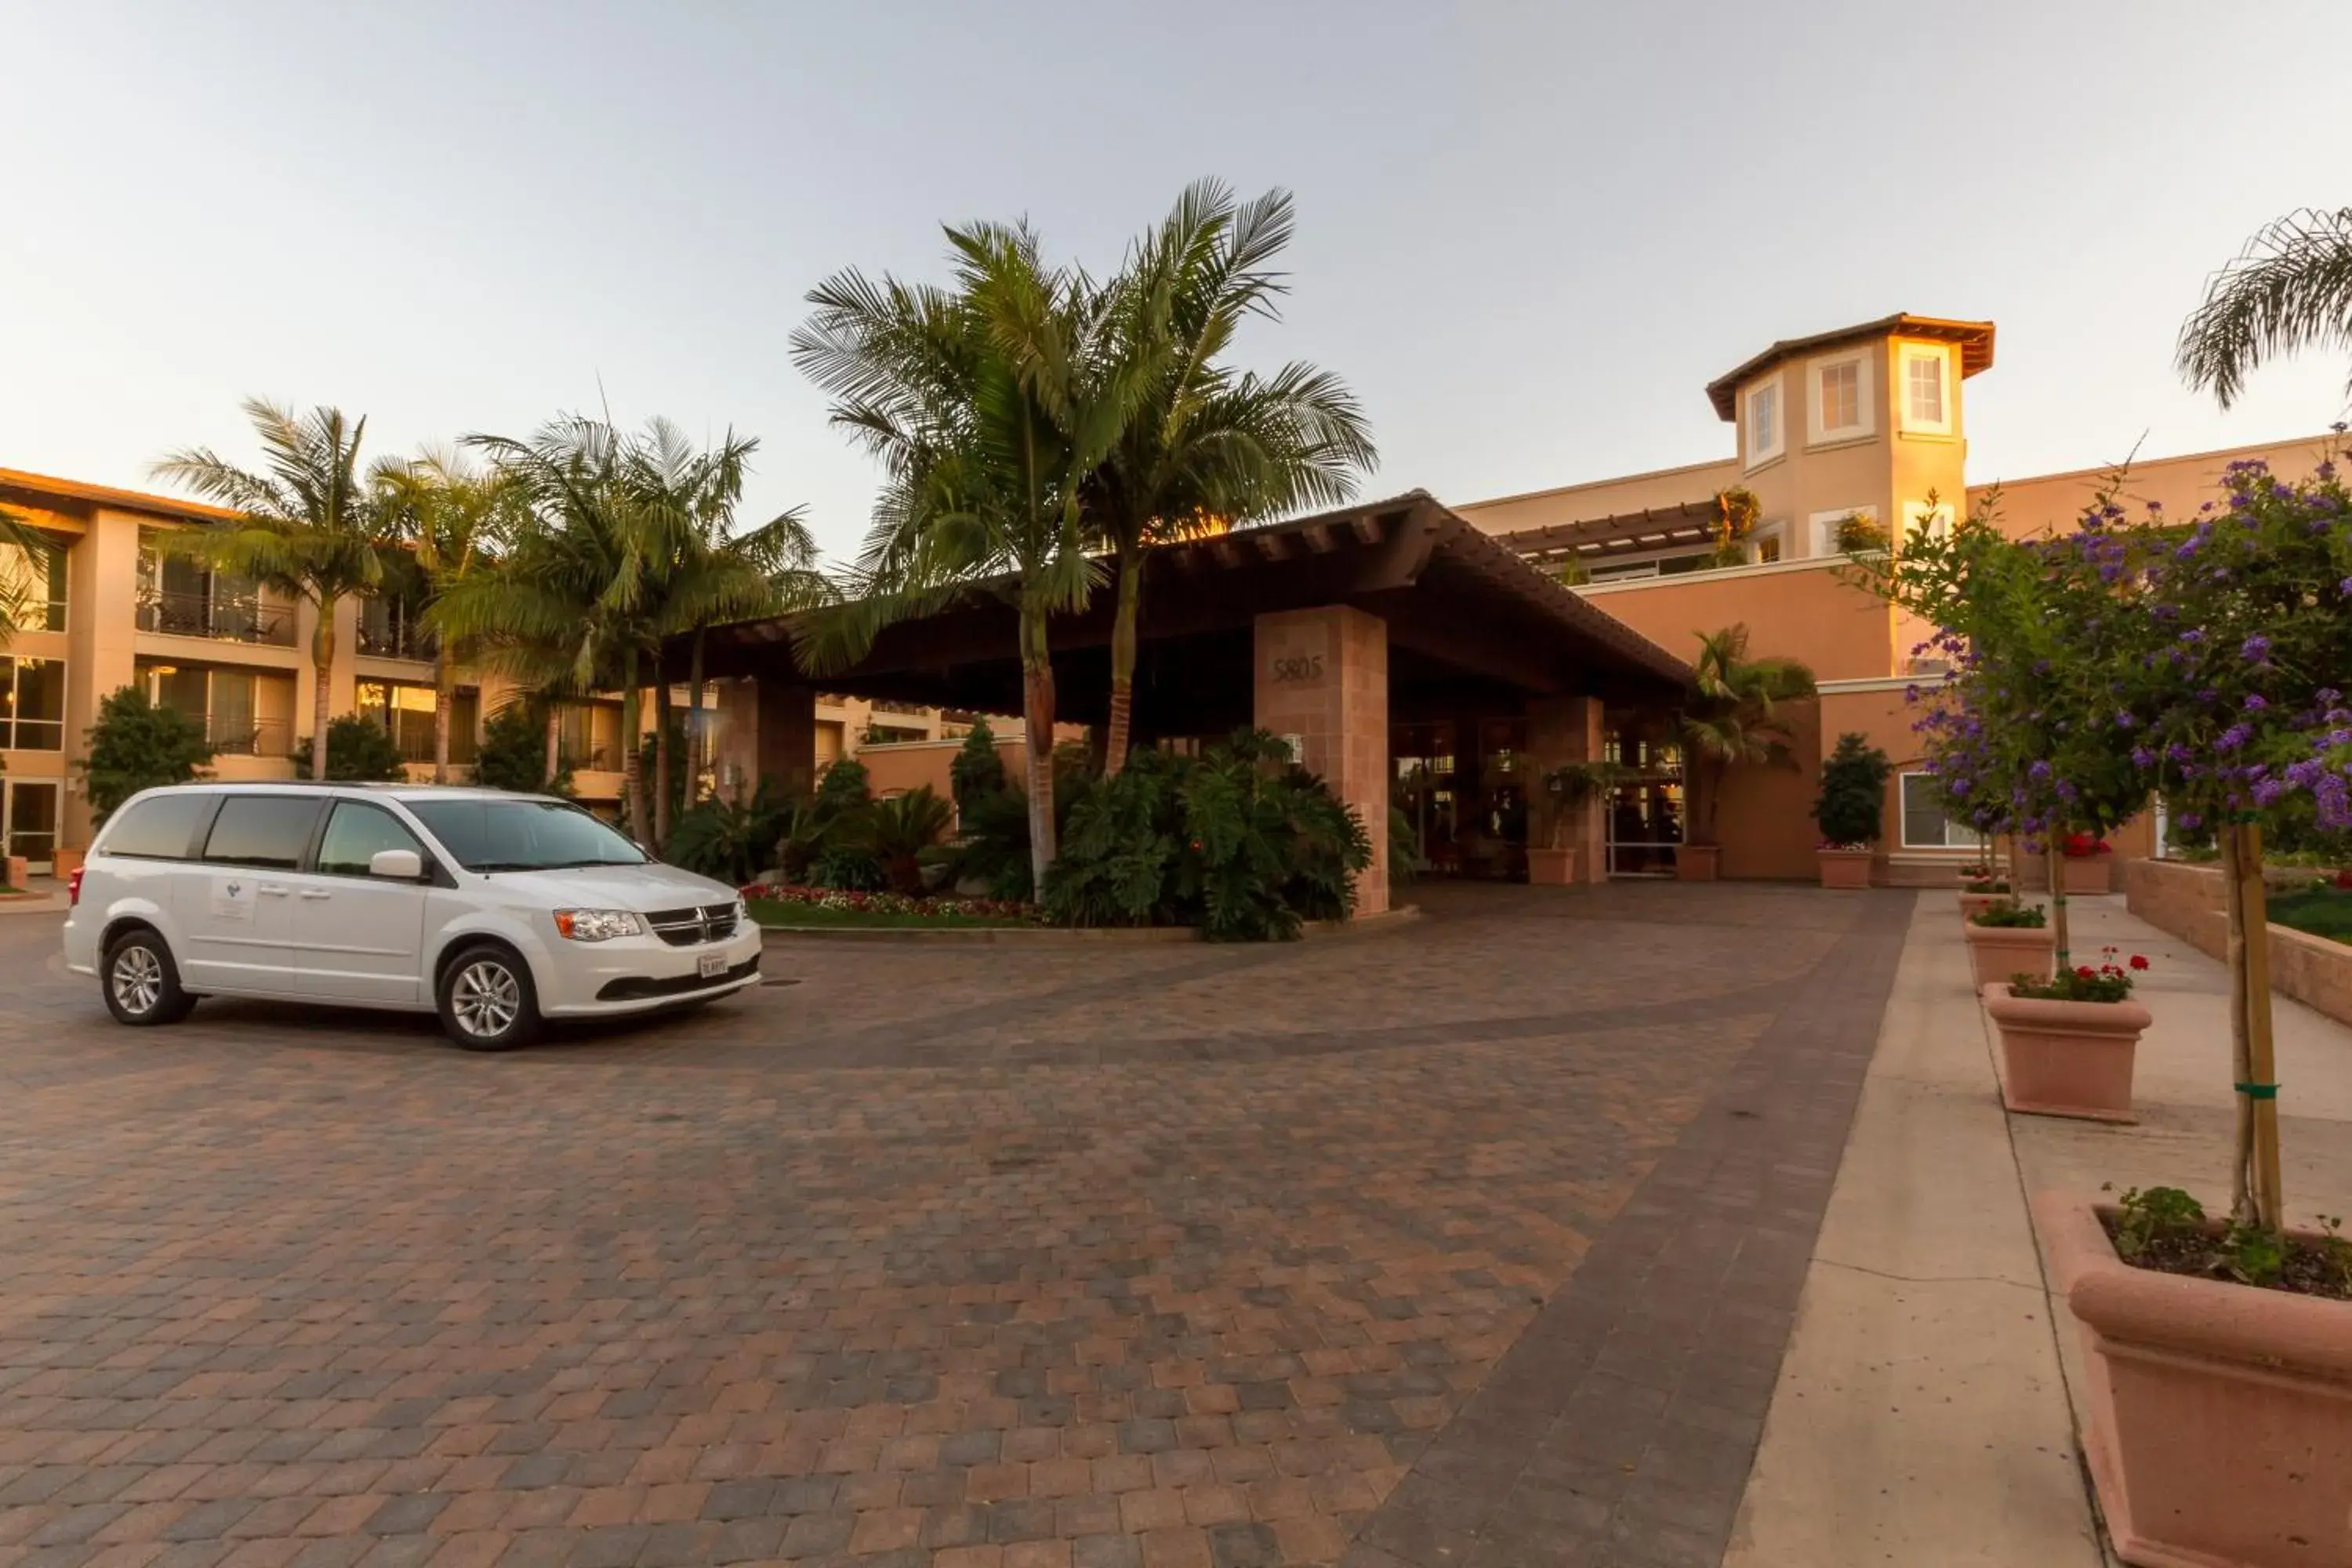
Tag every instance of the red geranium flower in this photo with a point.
(2085, 971)
(2138, 961)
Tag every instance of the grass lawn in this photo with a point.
(2319, 910)
(776, 913)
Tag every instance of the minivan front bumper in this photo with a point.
(638, 975)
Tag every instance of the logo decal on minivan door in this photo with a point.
(232, 899)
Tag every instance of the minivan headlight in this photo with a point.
(597, 925)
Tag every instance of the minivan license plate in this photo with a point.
(709, 965)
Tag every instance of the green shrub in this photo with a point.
(977, 769)
(1404, 848)
(729, 839)
(514, 751)
(1238, 841)
(846, 788)
(845, 862)
(900, 829)
(358, 751)
(991, 846)
(2010, 915)
(137, 744)
(1852, 804)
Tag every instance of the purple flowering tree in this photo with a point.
(2028, 734)
(2247, 619)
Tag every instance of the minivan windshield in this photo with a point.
(522, 835)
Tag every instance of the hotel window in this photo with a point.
(34, 589)
(1918, 515)
(1765, 440)
(1926, 396)
(589, 736)
(32, 704)
(1764, 545)
(1841, 407)
(405, 711)
(1925, 825)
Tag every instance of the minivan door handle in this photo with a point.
(277, 890)
(316, 893)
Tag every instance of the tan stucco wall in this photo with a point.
(1600, 498)
(2054, 503)
(1794, 611)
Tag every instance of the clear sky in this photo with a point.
(1529, 234)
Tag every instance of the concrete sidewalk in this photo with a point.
(1923, 1412)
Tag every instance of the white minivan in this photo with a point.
(492, 909)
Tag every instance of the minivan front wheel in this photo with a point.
(142, 983)
(486, 1000)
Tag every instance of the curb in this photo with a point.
(1055, 936)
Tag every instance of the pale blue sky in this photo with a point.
(1528, 234)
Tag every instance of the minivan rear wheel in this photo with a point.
(142, 983)
(487, 1001)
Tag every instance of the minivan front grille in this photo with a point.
(690, 928)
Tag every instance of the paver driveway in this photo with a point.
(996, 1256)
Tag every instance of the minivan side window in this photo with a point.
(267, 830)
(159, 827)
(355, 832)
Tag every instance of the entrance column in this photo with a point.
(1569, 729)
(1322, 676)
(784, 735)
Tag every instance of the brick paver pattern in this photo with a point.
(986, 1256)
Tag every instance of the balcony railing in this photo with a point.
(398, 640)
(258, 738)
(242, 618)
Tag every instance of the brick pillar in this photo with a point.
(1568, 730)
(784, 736)
(1323, 677)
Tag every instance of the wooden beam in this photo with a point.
(1318, 538)
(1273, 546)
(1226, 555)
(1368, 528)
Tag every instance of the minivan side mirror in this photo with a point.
(396, 865)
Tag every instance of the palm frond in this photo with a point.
(2289, 289)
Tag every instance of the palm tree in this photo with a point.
(1737, 719)
(456, 521)
(2289, 289)
(309, 525)
(571, 608)
(703, 572)
(988, 404)
(1208, 446)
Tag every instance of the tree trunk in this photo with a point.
(633, 751)
(322, 667)
(1122, 662)
(1037, 726)
(696, 760)
(663, 761)
(445, 679)
(2257, 1190)
(554, 763)
(2056, 858)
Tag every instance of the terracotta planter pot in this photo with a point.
(2000, 951)
(1552, 867)
(2087, 875)
(1846, 868)
(2066, 1059)
(2220, 1416)
(64, 863)
(13, 873)
(1697, 862)
(1974, 904)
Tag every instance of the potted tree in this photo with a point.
(2067, 1041)
(1736, 718)
(2010, 940)
(1567, 791)
(1851, 810)
(2220, 1352)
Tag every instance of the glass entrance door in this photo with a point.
(1646, 809)
(28, 821)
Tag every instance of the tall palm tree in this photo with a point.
(309, 525)
(1208, 446)
(457, 521)
(1737, 719)
(988, 404)
(2289, 289)
(571, 606)
(703, 572)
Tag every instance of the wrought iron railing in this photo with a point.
(224, 619)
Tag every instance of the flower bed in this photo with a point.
(782, 904)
